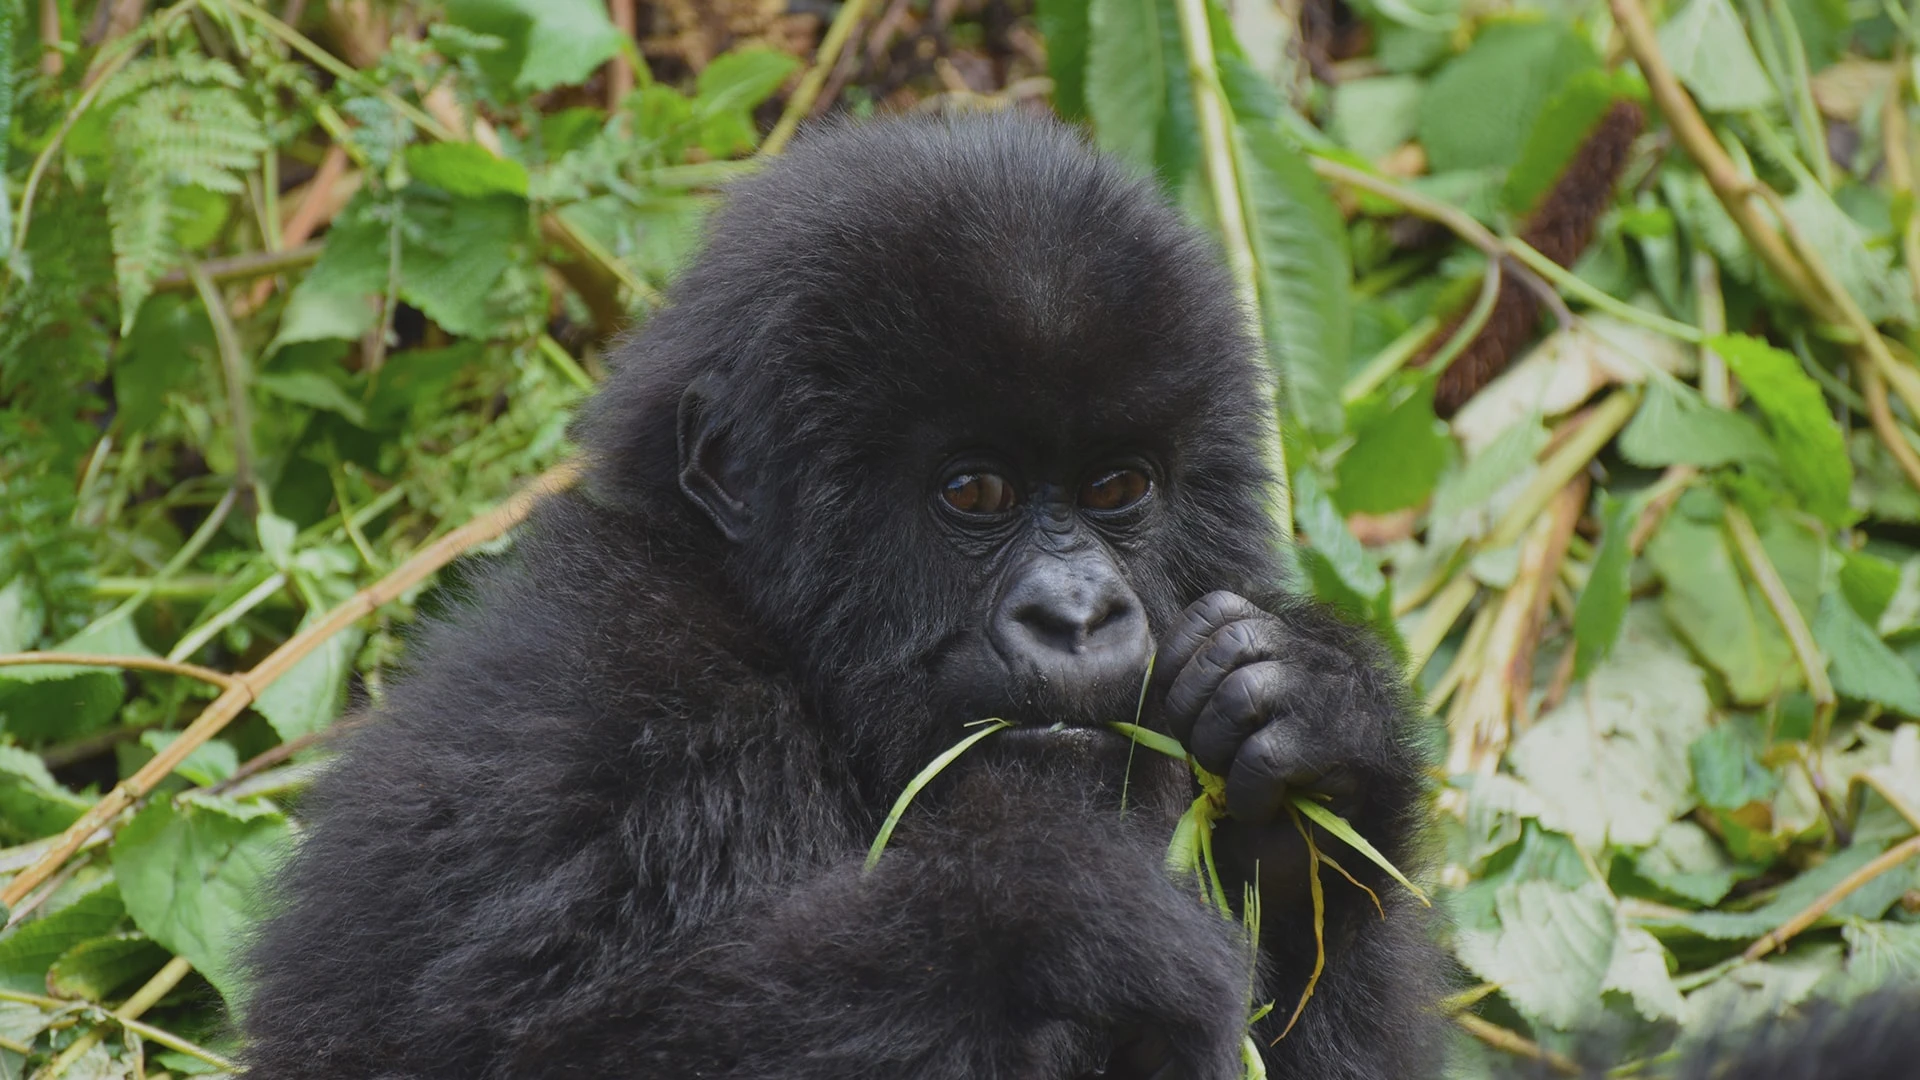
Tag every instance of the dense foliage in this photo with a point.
(287, 296)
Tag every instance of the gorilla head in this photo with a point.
(970, 436)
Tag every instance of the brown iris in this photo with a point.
(1116, 490)
(979, 493)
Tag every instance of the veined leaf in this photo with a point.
(1709, 51)
(1673, 426)
(1813, 454)
(549, 43)
(1862, 666)
(1128, 73)
(1065, 25)
(1478, 110)
(465, 169)
(1303, 274)
(1602, 608)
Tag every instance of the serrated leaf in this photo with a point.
(1601, 610)
(1861, 665)
(1478, 109)
(1128, 75)
(1726, 766)
(1551, 951)
(1708, 49)
(1327, 532)
(95, 968)
(310, 695)
(548, 43)
(1685, 861)
(465, 169)
(314, 390)
(1673, 426)
(1866, 273)
(1609, 763)
(27, 950)
(32, 803)
(209, 763)
(1302, 273)
(1721, 614)
(1398, 453)
(1639, 970)
(190, 876)
(1813, 455)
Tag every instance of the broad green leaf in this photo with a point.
(1708, 49)
(314, 390)
(1902, 613)
(21, 615)
(1508, 456)
(1563, 124)
(1813, 454)
(1685, 861)
(1372, 117)
(97, 967)
(6, 120)
(1639, 969)
(548, 42)
(309, 697)
(1881, 953)
(1479, 108)
(1721, 614)
(1869, 902)
(1759, 992)
(465, 169)
(728, 91)
(452, 253)
(1866, 272)
(1673, 426)
(1328, 534)
(1871, 584)
(1128, 75)
(1551, 951)
(1860, 664)
(1727, 771)
(209, 763)
(32, 803)
(1303, 275)
(1609, 763)
(27, 950)
(1601, 610)
(1064, 25)
(191, 875)
(1398, 453)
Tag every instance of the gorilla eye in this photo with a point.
(978, 493)
(1116, 490)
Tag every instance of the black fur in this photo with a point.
(612, 824)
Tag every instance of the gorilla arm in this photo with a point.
(1281, 698)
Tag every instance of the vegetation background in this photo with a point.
(290, 296)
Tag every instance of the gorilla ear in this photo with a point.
(710, 474)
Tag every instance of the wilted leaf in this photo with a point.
(1551, 952)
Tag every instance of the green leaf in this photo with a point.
(1398, 454)
(309, 696)
(1727, 771)
(1673, 426)
(1479, 108)
(1639, 969)
(1861, 665)
(1868, 902)
(1337, 825)
(95, 968)
(316, 313)
(1720, 613)
(190, 876)
(920, 780)
(209, 763)
(32, 803)
(1813, 455)
(1064, 24)
(1373, 117)
(729, 89)
(1685, 861)
(314, 390)
(1128, 75)
(66, 701)
(460, 168)
(30, 948)
(1866, 272)
(1551, 950)
(1328, 534)
(1609, 763)
(1708, 49)
(1302, 272)
(549, 43)
(1601, 610)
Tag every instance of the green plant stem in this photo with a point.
(227, 616)
(827, 57)
(921, 780)
(1475, 321)
(1220, 162)
(233, 366)
(563, 362)
(1805, 114)
(187, 553)
(1389, 360)
(1780, 601)
(336, 67)
(143, 999)
(1572, 284)
(244, 267)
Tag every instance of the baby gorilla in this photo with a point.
(952, 420)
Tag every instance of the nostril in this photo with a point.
(1073, 624)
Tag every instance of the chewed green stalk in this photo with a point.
(922, 779)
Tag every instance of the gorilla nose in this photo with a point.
(1078, 625)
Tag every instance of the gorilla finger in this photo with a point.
(1244, 701)
(1266, 766)
(1231, 647)
(1198, 623)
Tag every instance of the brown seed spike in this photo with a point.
(1560, 228)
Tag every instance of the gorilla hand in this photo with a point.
(1281, 704)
